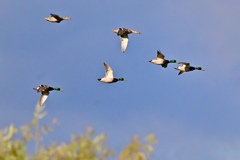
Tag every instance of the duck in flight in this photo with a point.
(185, 67)
(123, 33)
(56, 18)
(45, 90)
(161, 61)
(109, 78)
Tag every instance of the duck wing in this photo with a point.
(56, 16)
(36, 89)
(186, 64)
(41, 88)
(181, 72)
(135, 32)
(160, 55)
(43, 97)
(164, 65)
(124, 42)
(109, 71)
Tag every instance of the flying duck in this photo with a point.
(109, 78)
(185, 67)
(56, 18)
(45, 90)
(161, 61)
(123, 33)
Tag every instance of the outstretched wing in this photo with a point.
(40, 88)
(43, 97)
(135, 32)
(36, 89)
(124, 42)
(160, 55)
(109, 71)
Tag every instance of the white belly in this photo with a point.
(107, 80)
(157, 61)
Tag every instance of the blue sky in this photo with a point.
(194, 116)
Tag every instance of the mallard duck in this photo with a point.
(45, 90)
(109, 78)
(185, 67)
(56, 18)
(123, 33)
(161, 61)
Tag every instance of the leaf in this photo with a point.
(151, 139)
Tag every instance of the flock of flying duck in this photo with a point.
(109, 77)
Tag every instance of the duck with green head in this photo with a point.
(161, 61)
(45, 90)
(109, 78)
(185, 67)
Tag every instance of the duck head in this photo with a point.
(58, 89)
(121, 79)
(172, 61)
(199, 68)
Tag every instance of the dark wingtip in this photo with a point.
(99, 79)
(180, 73)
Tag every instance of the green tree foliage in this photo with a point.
(88, 146)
